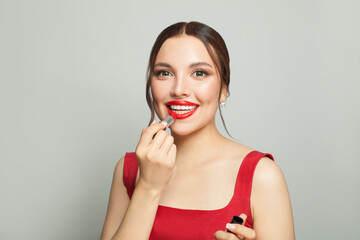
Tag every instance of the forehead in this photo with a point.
(183, 49)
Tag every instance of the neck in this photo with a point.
(199, 146)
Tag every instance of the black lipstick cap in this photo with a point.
(237, 219)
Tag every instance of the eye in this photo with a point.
(163, 73)
(200, 73)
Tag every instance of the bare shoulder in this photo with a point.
(118, 202)
(268, 174)
(119, 172)
(119, 167)
(269, 201)
(118, 186)
(269, 198)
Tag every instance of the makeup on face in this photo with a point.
(185, 84)
(181, 109)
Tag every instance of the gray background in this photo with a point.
(72, 102)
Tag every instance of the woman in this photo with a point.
(188, 185)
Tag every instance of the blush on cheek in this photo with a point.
(159, 89)
(210, 87)
(158, 97)
(155, 93)
(209, 93)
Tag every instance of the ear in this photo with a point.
(223, 93)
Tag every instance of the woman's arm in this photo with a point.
(270, 203)
(270, 207)
(118, 203)
(129, 215)
(134, 219)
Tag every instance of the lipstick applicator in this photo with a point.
(169, 120)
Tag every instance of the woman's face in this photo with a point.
(186, 84)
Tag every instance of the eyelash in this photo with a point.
(204, 72)
(158, 73)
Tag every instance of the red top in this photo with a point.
(175, 223)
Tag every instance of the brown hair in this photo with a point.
(214, 44)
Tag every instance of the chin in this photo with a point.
(180, 132)
(183, 129)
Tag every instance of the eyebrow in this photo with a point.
(196, 64)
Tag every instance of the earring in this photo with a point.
(222, 104)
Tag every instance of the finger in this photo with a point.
(172, 151)
(243, 216)
(159, 139)
(167, 143)
(222, 235)
(149, 132)
(241, 231)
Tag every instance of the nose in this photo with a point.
(181, 87)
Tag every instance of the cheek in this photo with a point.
(157, 91)
(209, 92)
(160, 92)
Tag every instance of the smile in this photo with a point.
(181, 109)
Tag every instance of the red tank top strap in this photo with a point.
(246, 172)
(245, 179)
(130, 171)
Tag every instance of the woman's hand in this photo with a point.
(237, 231)
(156, 153)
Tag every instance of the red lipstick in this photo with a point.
(181, 109)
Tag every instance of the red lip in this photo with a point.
(185, 103)
(182, 103)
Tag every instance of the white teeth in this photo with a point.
(180, 112)
(181, 109)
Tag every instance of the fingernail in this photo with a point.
(230, 226)
(153, 122)
(164, 123)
